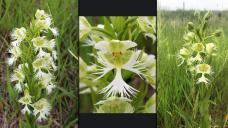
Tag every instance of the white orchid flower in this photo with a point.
(43, 22)
(18, 35)
(40, 14)
(41, 43)
(18, 75)
(41, 107)
(203, 69)
(15, 52)
(116, 55)
(211, 48)
(26, 101)
(46, 81)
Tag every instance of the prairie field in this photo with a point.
(18, 13)
(182, 102)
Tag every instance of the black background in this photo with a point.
(117, 7)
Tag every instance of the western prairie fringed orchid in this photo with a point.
(198, 49)
(34, 55)
(117, 57)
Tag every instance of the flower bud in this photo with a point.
(184, 52)
(207, 16)
(210, 48)
(190, 26)
(218, 33)
(189, 36)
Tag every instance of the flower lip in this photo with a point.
(118, 87)
(43, 108)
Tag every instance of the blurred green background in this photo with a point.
(18, 13)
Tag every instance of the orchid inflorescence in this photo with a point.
(115, 52)
(34, 56)
(198, 49)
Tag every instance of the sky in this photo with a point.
(193, 4)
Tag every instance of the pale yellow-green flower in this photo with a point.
(26, 101)
(117, 55)
(211, 48)
(18, 35)
(115, 105)
(41, 107)
(198, 47)
(15, 52)
(203, 69)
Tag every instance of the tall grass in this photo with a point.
(181, 102)
(16, 13)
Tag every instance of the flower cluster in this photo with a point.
(115, 51)
(198, 49)
(34, 56)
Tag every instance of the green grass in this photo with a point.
(18, 13)
(181, 102)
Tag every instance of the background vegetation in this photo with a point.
(18, 13)
(177, 103)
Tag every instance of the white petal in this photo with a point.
(129, 44)
(105, 68)
(135, 65)
(10, 61)
(15, 43)
(18, 87)
(41, 117)
(203, 79)
(51, 44)
(118, 87)
(39, 73)
(54, 55)
(102, 46)
(25, 109)
(49, 88)
(41, 53)
(150, 60)
(54, 31)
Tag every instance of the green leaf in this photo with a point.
(108, 28)
(118, 22)
(70, 94)
(12, 92)
(150, 106)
